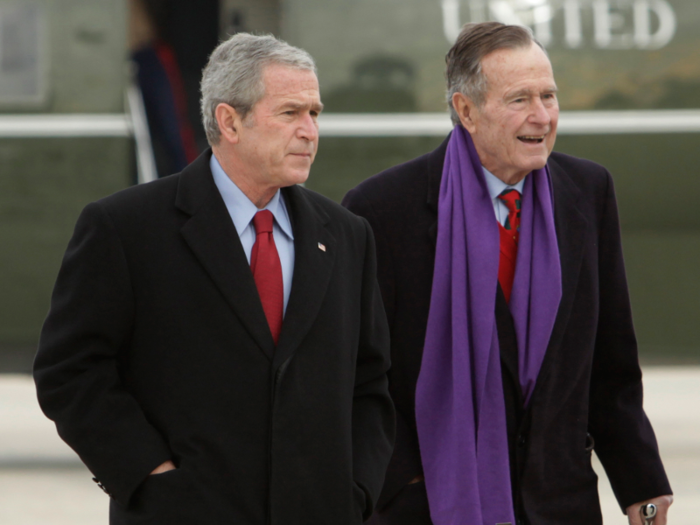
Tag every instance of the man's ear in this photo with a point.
(229, 123)
(466, 110)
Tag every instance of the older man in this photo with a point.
(513, 350)
(216, 350)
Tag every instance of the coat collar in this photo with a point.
(436, 160)
(211, 235)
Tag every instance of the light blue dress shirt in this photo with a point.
(496, 187)
(242, 211)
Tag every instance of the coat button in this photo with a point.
(521, 440)
(590, 443)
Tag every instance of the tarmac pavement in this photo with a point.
(42, 481)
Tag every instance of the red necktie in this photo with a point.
(267, 272)
(509, 241)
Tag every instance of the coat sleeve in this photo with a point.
(357, 203)
(405, 463)
(624, 438)
(373, 419)
(76, 369)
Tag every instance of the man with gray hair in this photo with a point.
(513, 350)
(216, 350)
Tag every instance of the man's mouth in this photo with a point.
(532, 139)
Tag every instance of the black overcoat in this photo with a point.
(156, 347)
(590, 380)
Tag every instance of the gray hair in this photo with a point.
(475, 41)
(234, 75)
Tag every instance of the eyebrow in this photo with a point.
(529, 92)
(294, 105)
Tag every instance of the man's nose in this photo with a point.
(540, 113)
(308, 128)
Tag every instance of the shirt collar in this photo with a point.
(496, 185)
(241, 208)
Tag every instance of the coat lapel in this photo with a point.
(313, 268)
(213, 239)
(571, 225)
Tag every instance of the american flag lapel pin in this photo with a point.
(322, 247)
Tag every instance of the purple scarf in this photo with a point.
(460, 410)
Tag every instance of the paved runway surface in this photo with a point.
(43, 483)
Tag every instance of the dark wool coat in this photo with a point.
(589, 388)
(156, 347)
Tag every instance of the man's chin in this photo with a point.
(537, 162)
(295, 177)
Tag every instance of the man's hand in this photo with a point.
(662, 504)
(168, 465)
